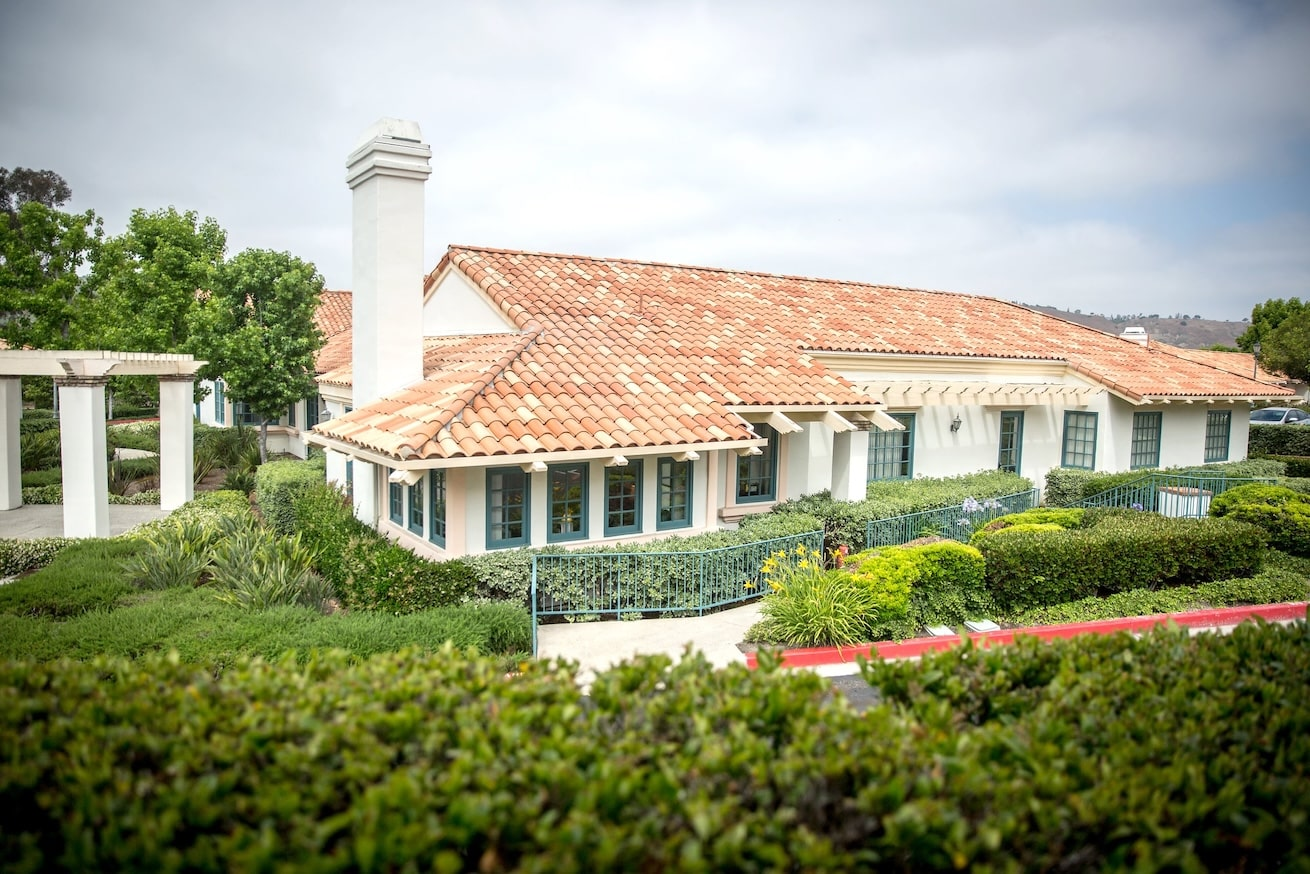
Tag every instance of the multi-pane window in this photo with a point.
(757, 474)
(416, 508)
(1079, 440)
(1218, 425)
(567, 508)
(1146, 440)
(891, 453)
(243, 415)
(311, 411)
(291, 416)
(220, 404)
(673, 504)
(1009, 458)
(396, 503)
(623, 499)
(437, 508)
(508, 499)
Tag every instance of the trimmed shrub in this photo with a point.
(379, 575)
(1064, 517)
(278, 483)
(84, 576)
(1033, 757)
(21, 556)
(51, 476)
(208, 509)
(1280, 512)
(1295, 465)
(1278, 440)
(1065, 487)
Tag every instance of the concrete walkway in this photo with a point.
(31, 521)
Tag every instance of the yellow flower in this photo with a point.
(777, 587)
(800, 549)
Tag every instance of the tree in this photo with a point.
(256, 330)
(1265, 319)
(43, 296)
(21, 185)
(1286, 348)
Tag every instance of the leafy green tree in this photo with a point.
(1265, 319)
(43, 294)
(21, 185)
(256, 329)
(1286, 349)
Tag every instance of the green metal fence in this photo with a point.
(957, 521)
(642, 583)
(1169, 494)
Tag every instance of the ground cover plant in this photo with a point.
(1034, 757)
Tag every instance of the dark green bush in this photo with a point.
(1296, 465)
(84, 576)
(1063, 517)
(35, 479)
(39, 450)
(380, 575)
(20, 556)
(1096, 754)
(1120, 551)
(1282, 513)
(1066, 487)
(144, 436)
(278, 483)
(1278, 440)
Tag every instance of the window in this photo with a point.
(396, 502)
(891, 453)
(673, 504)
(416, 508)
(312, 415)
(291, 416)
(756, 474)
(623, 499)
(1079, 440)
(1008, 459)
(1218, 425)
(220, 404)
(509, 497)
(437, 507)
(350, 479)
(1146, 440)
(243, 415)
(568, 502)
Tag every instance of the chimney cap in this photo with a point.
(391, 129)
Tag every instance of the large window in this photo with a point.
(891, 453)
(437, 507)
(757, 474)
(243, 415)
(1079, 440)
(396, 503)
(568, 502)
(623, 499)
(311, 411)
(508, 499)
(220, 403)
(416, 508)
(1218, 425)
(1009, 457)
(673, 505)
(1146, 440)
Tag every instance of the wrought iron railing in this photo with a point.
(1169, 494)
(957, 521)
(622, 584)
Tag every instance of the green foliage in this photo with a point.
(43, 289)
(278, 483)
(138, 435)
(44, 495)
(1282, 513)
(39, 419)
(1048, 517)
(945, 585)
(39, 450)
(1266, 440)
(35, 479)
(1067, 487)
(806, 605)
(21, 556)
(83, 576)
(123, 473)
(25, 185)
(1297, 466)
(503, 575)
(256, 569)
(1116, 552)
(176, 553)
(208, 509)
(380, 575)
(1283, 344)
(1033, 757)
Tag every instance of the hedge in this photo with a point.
(947, 585)
(54, 494)
(1283, 514)
(1065, 487)
(1117, 551)
(1034, 757)
(277, 483)
(1278, 440)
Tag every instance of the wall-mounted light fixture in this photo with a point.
(956, 423)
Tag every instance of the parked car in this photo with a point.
(1280, 416)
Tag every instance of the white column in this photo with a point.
(176, 441)
(11, 469)
(336, 467)
(365, 478)
(850, 460)
(82, 450)
(808, 462)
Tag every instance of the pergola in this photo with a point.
(80, 378)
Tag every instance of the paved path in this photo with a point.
(31, 521)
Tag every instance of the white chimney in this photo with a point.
(1136, 334)
(386, 172)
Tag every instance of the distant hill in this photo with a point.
(1177, 330)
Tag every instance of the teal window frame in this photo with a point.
(564, 506)
(1218, 435)
(220, 403)
(673, 493)
(623, 506)
(1078, 445)
(758, 472)
(416, 507)
(512, 497)
(437, 507)
(891, 453)
(311, 410)
(395, 503)
(291, 416)
(1009, 453)
(1145, 452)
(350, 479)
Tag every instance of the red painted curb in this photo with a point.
(814, 656)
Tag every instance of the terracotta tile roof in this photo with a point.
(616, 354)
(1240, 363)
(333, 318)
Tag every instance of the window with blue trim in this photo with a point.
(1146, 440)
(673, 501)
(1079, 440)
(623, 499)
(509, 497)
(1009, 458)
(220, 404)
(567, 507)
(416, 508)
(891, 453)
(437, 507)
(757, 475)
(1218, 427)
(312, 410)
(396, 502)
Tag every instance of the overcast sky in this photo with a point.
(1113, 157)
